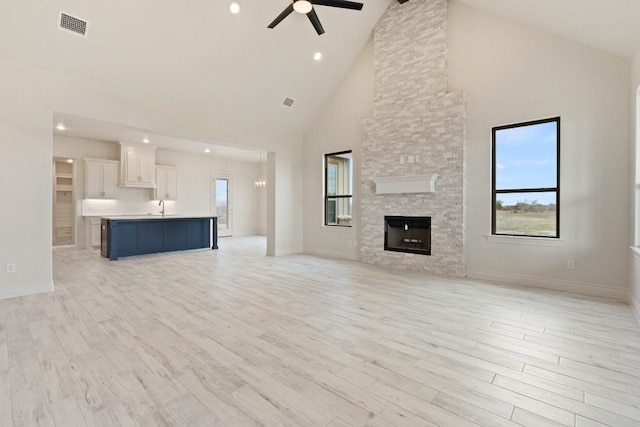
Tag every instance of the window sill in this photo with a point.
(524, 240)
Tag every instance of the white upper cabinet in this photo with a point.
(101, 179)
(138, 166)
(166, 183)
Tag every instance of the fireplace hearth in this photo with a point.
(410, 234)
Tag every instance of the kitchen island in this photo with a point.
(146, 234)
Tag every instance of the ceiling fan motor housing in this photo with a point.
(306, 7)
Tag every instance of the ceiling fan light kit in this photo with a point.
(302, 6)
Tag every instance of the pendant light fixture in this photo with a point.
(262, 181)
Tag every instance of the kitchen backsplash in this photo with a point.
(97, 207)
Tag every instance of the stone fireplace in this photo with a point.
(416, 132)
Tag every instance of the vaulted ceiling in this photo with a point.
(610, 26)
(196, 53)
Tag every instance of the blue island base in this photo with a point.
(126, 236)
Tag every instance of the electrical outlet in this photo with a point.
(571, 264)
(11, 268)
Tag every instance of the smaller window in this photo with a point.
(526, 179)
(338, 189)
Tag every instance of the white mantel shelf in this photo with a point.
(406, 184)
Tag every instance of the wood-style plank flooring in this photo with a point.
(234, 338)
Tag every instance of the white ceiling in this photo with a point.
(608, 25)
(81, 127)
(196, 53)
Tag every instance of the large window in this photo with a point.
(338, 190)
(526, 179)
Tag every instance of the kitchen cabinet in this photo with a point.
(138, 166)
(101, 178)
(166, 183)
(95, 232)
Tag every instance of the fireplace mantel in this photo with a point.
(406, 184)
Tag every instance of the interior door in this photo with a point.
(222, 202)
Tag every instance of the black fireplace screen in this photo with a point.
(408, 234)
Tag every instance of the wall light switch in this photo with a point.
(11, 268)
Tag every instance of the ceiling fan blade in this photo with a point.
(313, 17)
(338, 3)
(280, 17)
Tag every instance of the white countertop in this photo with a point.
(154, 216)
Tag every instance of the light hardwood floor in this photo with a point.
(234, 338)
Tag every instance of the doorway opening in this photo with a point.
(222, 202)
(64, 202)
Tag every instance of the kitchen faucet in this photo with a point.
(161, 203)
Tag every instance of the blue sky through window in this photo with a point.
(526, 157)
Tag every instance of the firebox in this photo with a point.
(410, 234)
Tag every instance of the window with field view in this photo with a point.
(526, 175)
(338, 189)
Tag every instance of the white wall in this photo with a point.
(262, 211)
(30, 96)
(513, 74)
(634, 191)
(337, 128)
(194, 187)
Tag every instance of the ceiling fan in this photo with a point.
(306, 7)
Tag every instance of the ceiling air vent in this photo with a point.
(288, 102)
(73, 24)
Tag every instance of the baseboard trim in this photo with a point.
(287, 251)
(23, 291)
(333, 255)
(554, 284)
(635, 306)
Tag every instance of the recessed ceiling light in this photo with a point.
(206, 150)
(145, 140)
(60, 127)
(234, 8)
(317, 56)
(69, 160)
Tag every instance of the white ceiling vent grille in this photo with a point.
(73, 24)
(288, 102)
